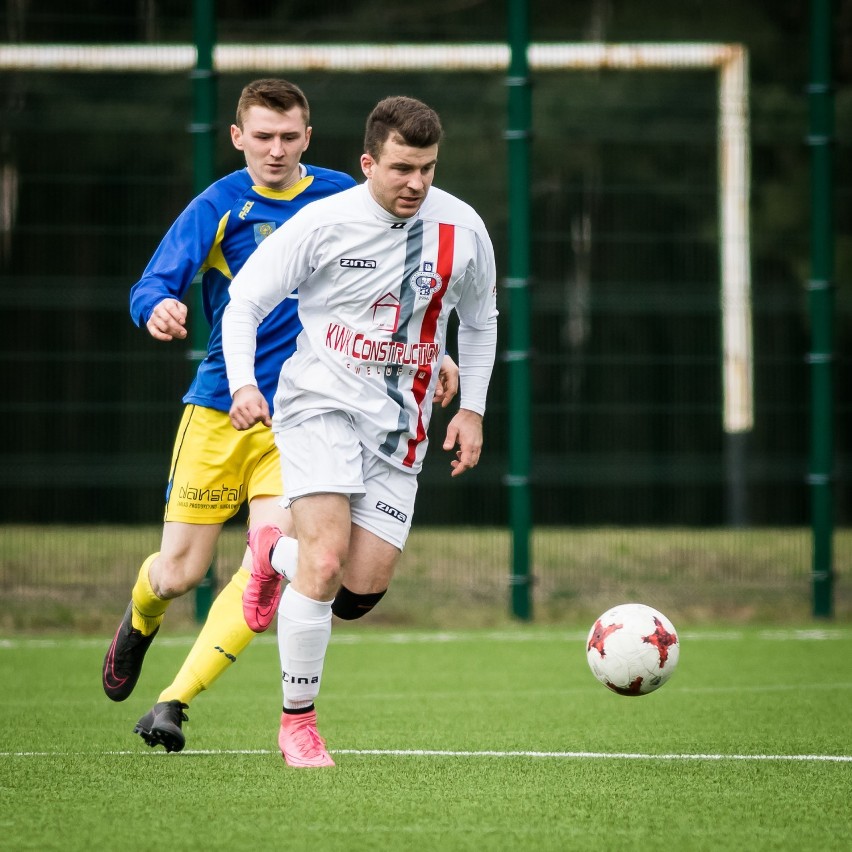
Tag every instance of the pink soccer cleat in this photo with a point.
(263, 591)
(300, 742)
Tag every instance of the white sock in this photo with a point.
(304, 629)
(285, 557)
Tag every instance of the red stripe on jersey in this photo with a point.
(446, 245)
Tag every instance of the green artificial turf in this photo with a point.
(472, 740)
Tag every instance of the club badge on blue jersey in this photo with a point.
(262, 230)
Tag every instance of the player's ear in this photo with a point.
(367, 163)
(236, 137)
(308, 131)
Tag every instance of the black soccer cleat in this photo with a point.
(161, 725)
(123, 661)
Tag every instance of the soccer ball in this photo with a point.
(632, 649)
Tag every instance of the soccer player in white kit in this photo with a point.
(378, 268)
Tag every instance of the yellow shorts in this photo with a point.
(216, 468)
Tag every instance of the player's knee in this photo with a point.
(348, 605)
(323, 566)
(173, 578)
(168, 588)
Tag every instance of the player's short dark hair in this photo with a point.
(279, 95)
(415, 123)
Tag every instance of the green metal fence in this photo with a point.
(625, 356)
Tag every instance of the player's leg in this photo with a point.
(249, 459)
(363, 585)
(193, 520)
(191, 547)
(304, 617)
(225, 634)
(365, 579)
(332, 484)
(321, 467)
(271, 536)
(222, 638)
(304, 622)
(186, 552)
(370, 566)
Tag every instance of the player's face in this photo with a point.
(273, 143)
(400, 178)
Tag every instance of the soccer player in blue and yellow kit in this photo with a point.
(215, 468)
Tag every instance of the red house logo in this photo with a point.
(386, 313)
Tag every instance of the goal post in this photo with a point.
(730, 61)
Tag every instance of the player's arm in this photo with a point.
(156, 300)
(248, 407)
(465, 432)
(477, 350)
(477, 344)
(240, 320)
(271, 273)
(167, 320)
(448, 382)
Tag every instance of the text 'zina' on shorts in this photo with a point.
(216, 468)
(324, 456)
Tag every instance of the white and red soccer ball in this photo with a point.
(633, 649)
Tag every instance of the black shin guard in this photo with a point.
(349, 606)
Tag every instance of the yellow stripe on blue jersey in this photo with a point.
(215, 234)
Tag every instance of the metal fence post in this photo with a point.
(203, 130)
(821, 303)
(518, 351)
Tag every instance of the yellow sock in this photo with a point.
(148, 608)
(224, 636)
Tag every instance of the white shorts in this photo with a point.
(323, 455)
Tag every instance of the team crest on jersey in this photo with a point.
(262, 230)
(425, 282)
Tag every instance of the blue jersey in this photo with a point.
(216, 234)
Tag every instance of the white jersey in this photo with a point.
(375, 293)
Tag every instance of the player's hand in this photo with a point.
(465, 432)
(448, 382)
(249, 407)
(168, 320)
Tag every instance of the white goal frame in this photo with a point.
(729, 60)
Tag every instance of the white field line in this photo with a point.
(552, 755)
(818, 634)
(370, 637)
